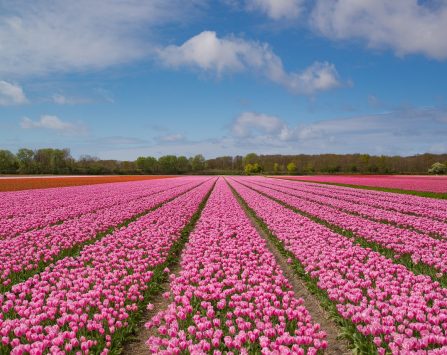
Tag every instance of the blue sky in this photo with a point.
(120, 79)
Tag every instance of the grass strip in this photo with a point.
(359, 343)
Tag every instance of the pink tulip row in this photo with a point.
(79, 304)
(26, 251)
(415, 183)
(231, 296)
(422, 248)
(399, 311)
(364, 207)
(19, 203)
(415, 205)
(63, 205)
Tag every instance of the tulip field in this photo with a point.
(421, 183)
(221, 265)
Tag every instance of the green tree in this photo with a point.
(253, 169)
(438, 169)
(291, 168)
(8, 162)
(168, 164)
(25, 158)
(248, 169)
(183, 164)
(276, 168)
(147, 165)
(198, 163)
(251, 158)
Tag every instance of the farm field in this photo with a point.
(37, 182)
(423, 183)
(222, 265)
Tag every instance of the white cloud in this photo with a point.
(52, 123)
(250, 123)
(403, 131)
(11, 94)
(207, 52)
(405, 26)
(170, 138)
(59, 36)
(276, 9)
(66, 100)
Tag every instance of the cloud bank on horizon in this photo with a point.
(123, 79)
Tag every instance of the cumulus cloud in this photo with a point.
(276, 9)
(210, 53)
(11, 94)
(403, 131)
(53, 123)
(250, 124)
(50, 35)
(405, 26)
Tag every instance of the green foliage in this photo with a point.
(183, 164)
(291, 168)
(253, 169)
(251, 158)
(276, 168)
(168, 164)
(438, 169)
(8, 162)
(197, 163)
(25, 158)
(59, 161)
(148, 165)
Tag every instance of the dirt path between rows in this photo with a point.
(137, 344)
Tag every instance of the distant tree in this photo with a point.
(168, 164)
(291, 168)
(147, 165)
(438, 169)
(198, 163)
(25, 158)
(251, 158)
(253, 169)
(309, 168)
(276, 168)
(8, 162)
(183, 164)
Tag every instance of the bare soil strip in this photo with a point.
(136, 345)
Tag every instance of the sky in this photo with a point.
(122, 79)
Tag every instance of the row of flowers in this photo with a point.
(369, 207)
(428, 207)
(29, 251)
(33, 209)
(421, 248)
(80, 304)
(397, 310)
(231, 295)
(402, 182)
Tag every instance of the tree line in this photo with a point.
(60, 161)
